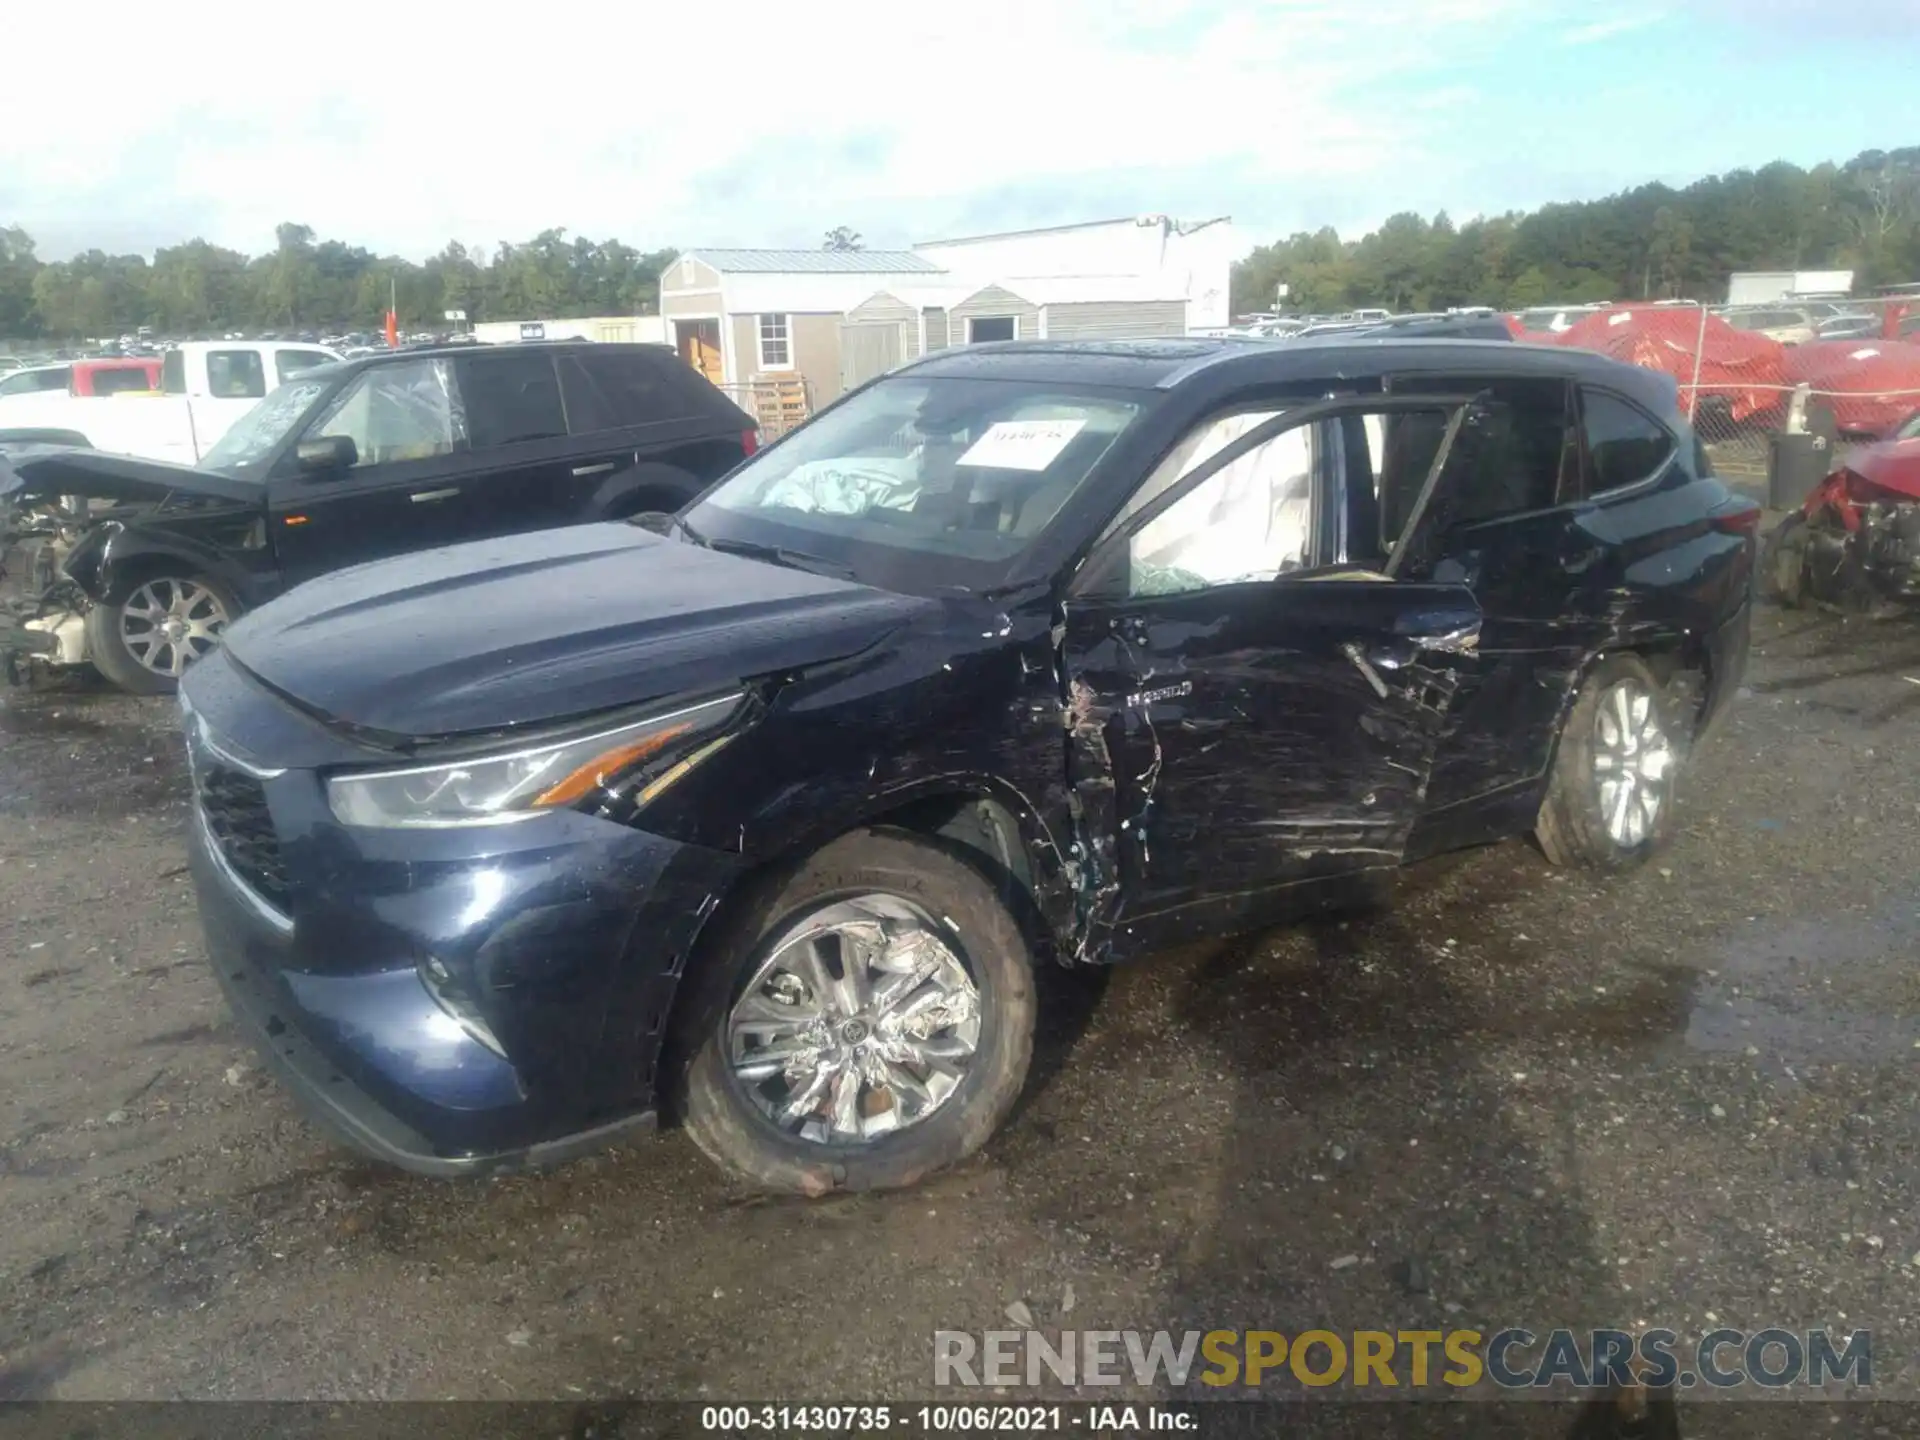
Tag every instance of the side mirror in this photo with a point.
(327, 455)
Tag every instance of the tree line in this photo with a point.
(1651, 242)
(305, 283)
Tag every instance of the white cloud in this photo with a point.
(1607, 29)
(753, 122)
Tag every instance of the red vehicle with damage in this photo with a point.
(1855, 542)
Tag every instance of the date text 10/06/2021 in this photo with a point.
(933, 1419)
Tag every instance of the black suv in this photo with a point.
(1020, 651)
(366, 459)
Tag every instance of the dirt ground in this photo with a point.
(1683, 1096)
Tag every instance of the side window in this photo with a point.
(408, 411)
(1251, 521)
(613, 389)
(511, 398)
(236, 375)
(289, 363)
(1625, 445)
(1515, 452)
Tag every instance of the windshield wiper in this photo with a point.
(779, 555)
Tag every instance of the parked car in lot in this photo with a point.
(1789, 325)
(1553, 319)
(35, 380)
(204, 388)
(115, 375)
(352, 462)
(1023, 651)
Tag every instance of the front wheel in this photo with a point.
(1609, 803)
(145, 642)
(860, 1021)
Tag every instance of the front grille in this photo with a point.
(235, 807)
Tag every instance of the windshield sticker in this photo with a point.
(1022, 444)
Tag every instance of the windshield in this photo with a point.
(955, 476)
(246, 446)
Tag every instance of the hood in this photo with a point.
(547, 626)
(45, 470)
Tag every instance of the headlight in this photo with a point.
(495, 789)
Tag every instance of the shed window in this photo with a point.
(775, 352)
(982, 328)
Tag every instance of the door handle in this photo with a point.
(422, 497)
(600, 469)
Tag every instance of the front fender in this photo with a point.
(111, 558)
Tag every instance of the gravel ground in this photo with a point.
(1682, 1096)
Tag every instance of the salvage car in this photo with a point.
(346, 463)
(1854, 544)
(764, 818)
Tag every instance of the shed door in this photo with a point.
(867, 351)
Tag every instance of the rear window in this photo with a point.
(120, 382)
(614, 389)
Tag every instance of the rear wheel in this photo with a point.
(1609, 804)
(145, 642)
(860, 1021)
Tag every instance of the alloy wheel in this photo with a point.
(1633, 762)
(167, 624)
(861, 1021)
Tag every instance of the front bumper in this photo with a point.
(449, 1001)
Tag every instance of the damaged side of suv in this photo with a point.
(1022, 651)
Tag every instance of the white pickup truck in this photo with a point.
(204, 387)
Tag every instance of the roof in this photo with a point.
(1180, 228)
(1166, 364)
(815, 262)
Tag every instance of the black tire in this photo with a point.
(108, 649)
(1572, 828)
(974, 923)
(1783, 562)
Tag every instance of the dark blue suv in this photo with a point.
(764, 817)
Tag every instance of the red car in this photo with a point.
(116, 376)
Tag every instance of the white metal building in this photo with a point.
(831, 319)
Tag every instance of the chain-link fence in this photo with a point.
(1849, 369)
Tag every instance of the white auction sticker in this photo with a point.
(1022, 444)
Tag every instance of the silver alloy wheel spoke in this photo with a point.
(1632, 763)
(167, 624)
(861, 1019)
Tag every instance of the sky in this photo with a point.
(760, 122)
